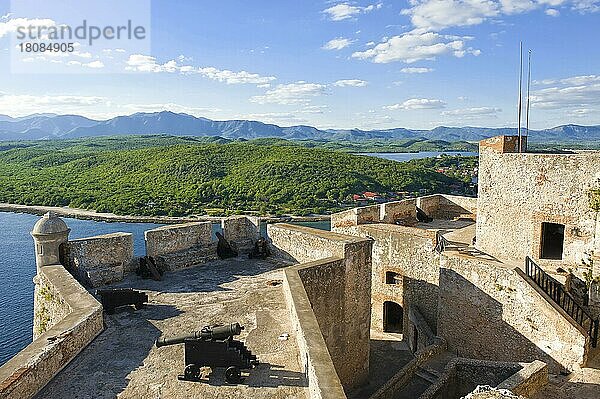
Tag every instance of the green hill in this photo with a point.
(178, 176)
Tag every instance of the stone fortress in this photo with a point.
(500, 290)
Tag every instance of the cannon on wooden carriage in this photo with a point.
(213, 347)
(112, 299)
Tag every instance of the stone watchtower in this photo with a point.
(48, 235)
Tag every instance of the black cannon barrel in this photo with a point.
(216, 333)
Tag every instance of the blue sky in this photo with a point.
(330, 64)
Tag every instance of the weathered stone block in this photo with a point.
(102, 259)
(179, 237)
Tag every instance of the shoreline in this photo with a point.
(85, 214)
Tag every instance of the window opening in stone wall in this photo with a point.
(553, 239)
(392, 278)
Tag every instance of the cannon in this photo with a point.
(213, 347)
(115, 298)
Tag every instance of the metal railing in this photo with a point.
(562, 298)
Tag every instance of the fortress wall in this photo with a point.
(49, 306)
(461, 376)
(73, 320)
(178, 237)
(101, 260)
(401, 212)
(528, 381)
(517, 192)
(455, 206)
(338, 292)
(442, 206)
(439, 206)
(356, 216)
(429, 204)
(242, 231)
(323, 380)
(409, 252)
(487, 310)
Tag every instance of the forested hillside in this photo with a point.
(175, 176)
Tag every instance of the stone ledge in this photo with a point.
(529, 380)
(31, 369)
(323, 381)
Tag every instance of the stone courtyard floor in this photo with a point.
(122, 361)
(580, 384)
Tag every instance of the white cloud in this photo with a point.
(350, 83)
(343, 11)
(314, 109)
(582, 112)
(231, 77)
(146, 63)
(12, 24)
(436, 15)
(337, 44)
(417, 103)
(21, 104)
(472, 113)
(440, 14)
(94, 64)
(577, 92)
(416, 70)
(416, 45)
(586, 6)
(293, 93)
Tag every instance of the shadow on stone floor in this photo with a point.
(101, 370)
(577, 390)
(265, 375)
(208, 277)
(387, 357)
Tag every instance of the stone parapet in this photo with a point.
(178, 237)
(100, 260)
(75, 323)
(339, 292)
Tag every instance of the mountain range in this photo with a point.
(52, 126)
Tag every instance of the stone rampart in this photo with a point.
(182, 245)
(339, 292)
(323, 380)
(100, 260)
(438, 206)
(72, 319)
(461, 376)
(487, 310)
(241, 231)
(519, 192)
(407, 253)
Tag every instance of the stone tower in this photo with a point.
(48, 234)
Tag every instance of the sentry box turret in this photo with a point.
(213, 347)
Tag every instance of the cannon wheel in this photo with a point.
(192, 372)
(233, 375)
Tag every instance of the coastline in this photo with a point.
(85, 214)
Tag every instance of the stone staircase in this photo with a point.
(424, 376)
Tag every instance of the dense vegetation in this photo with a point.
(163, 175)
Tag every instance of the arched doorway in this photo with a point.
(393, 316)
